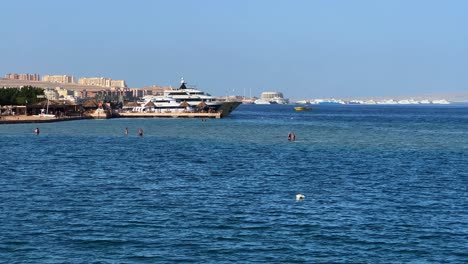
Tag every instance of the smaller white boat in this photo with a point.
(261, 101)
(45, 112)
(45, 115)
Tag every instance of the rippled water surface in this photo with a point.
(382, 185)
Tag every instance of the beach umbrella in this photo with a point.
(91, 104)
(184, 104)
(150, 106)
(132, 104)
(202, 105)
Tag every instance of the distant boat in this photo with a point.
(261, 101)
(248, 101)
(303, 102)
(302, 108)
(272, 98)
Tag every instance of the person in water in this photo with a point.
(36, 131)
(140, 132)
(291, 136)
(126, 131)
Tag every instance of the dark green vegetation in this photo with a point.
(26, 95)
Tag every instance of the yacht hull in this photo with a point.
(228, 107)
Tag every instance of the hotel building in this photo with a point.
(96, 81)
(102, 81)
(22, 76)
(118, 83)
(58, 78)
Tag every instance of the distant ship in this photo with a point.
(272, 98)
(183, 99)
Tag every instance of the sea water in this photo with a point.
(382, 184)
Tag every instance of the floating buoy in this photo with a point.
(300, 197)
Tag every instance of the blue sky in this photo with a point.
(306, 49)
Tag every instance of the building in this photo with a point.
(118, 83)
(102, 81)
(137, 92)
(58, 78)
(96, 81)
(22, 76)
(51, 94)
(62, 92)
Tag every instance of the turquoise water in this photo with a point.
(383, 184)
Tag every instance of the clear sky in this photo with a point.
(305, 49)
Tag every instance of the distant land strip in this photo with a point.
(456, 97)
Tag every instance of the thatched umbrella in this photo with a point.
(202, 105)
(132, 104)
(184, 104)
(91, 104)
(150, 106)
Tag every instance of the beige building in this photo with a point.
(97, 81)
(58, 78)
(102, 81)
(118, 83)
(22, 76)
(62, 92)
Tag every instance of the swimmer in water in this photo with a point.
(291, 136)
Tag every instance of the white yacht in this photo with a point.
(191, 95)
(182, 99)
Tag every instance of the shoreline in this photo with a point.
(21, 119)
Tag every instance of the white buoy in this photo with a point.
(300, 197)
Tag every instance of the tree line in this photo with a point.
(25, 95)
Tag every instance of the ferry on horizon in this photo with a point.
(272, 98)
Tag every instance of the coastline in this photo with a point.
(21, 119)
